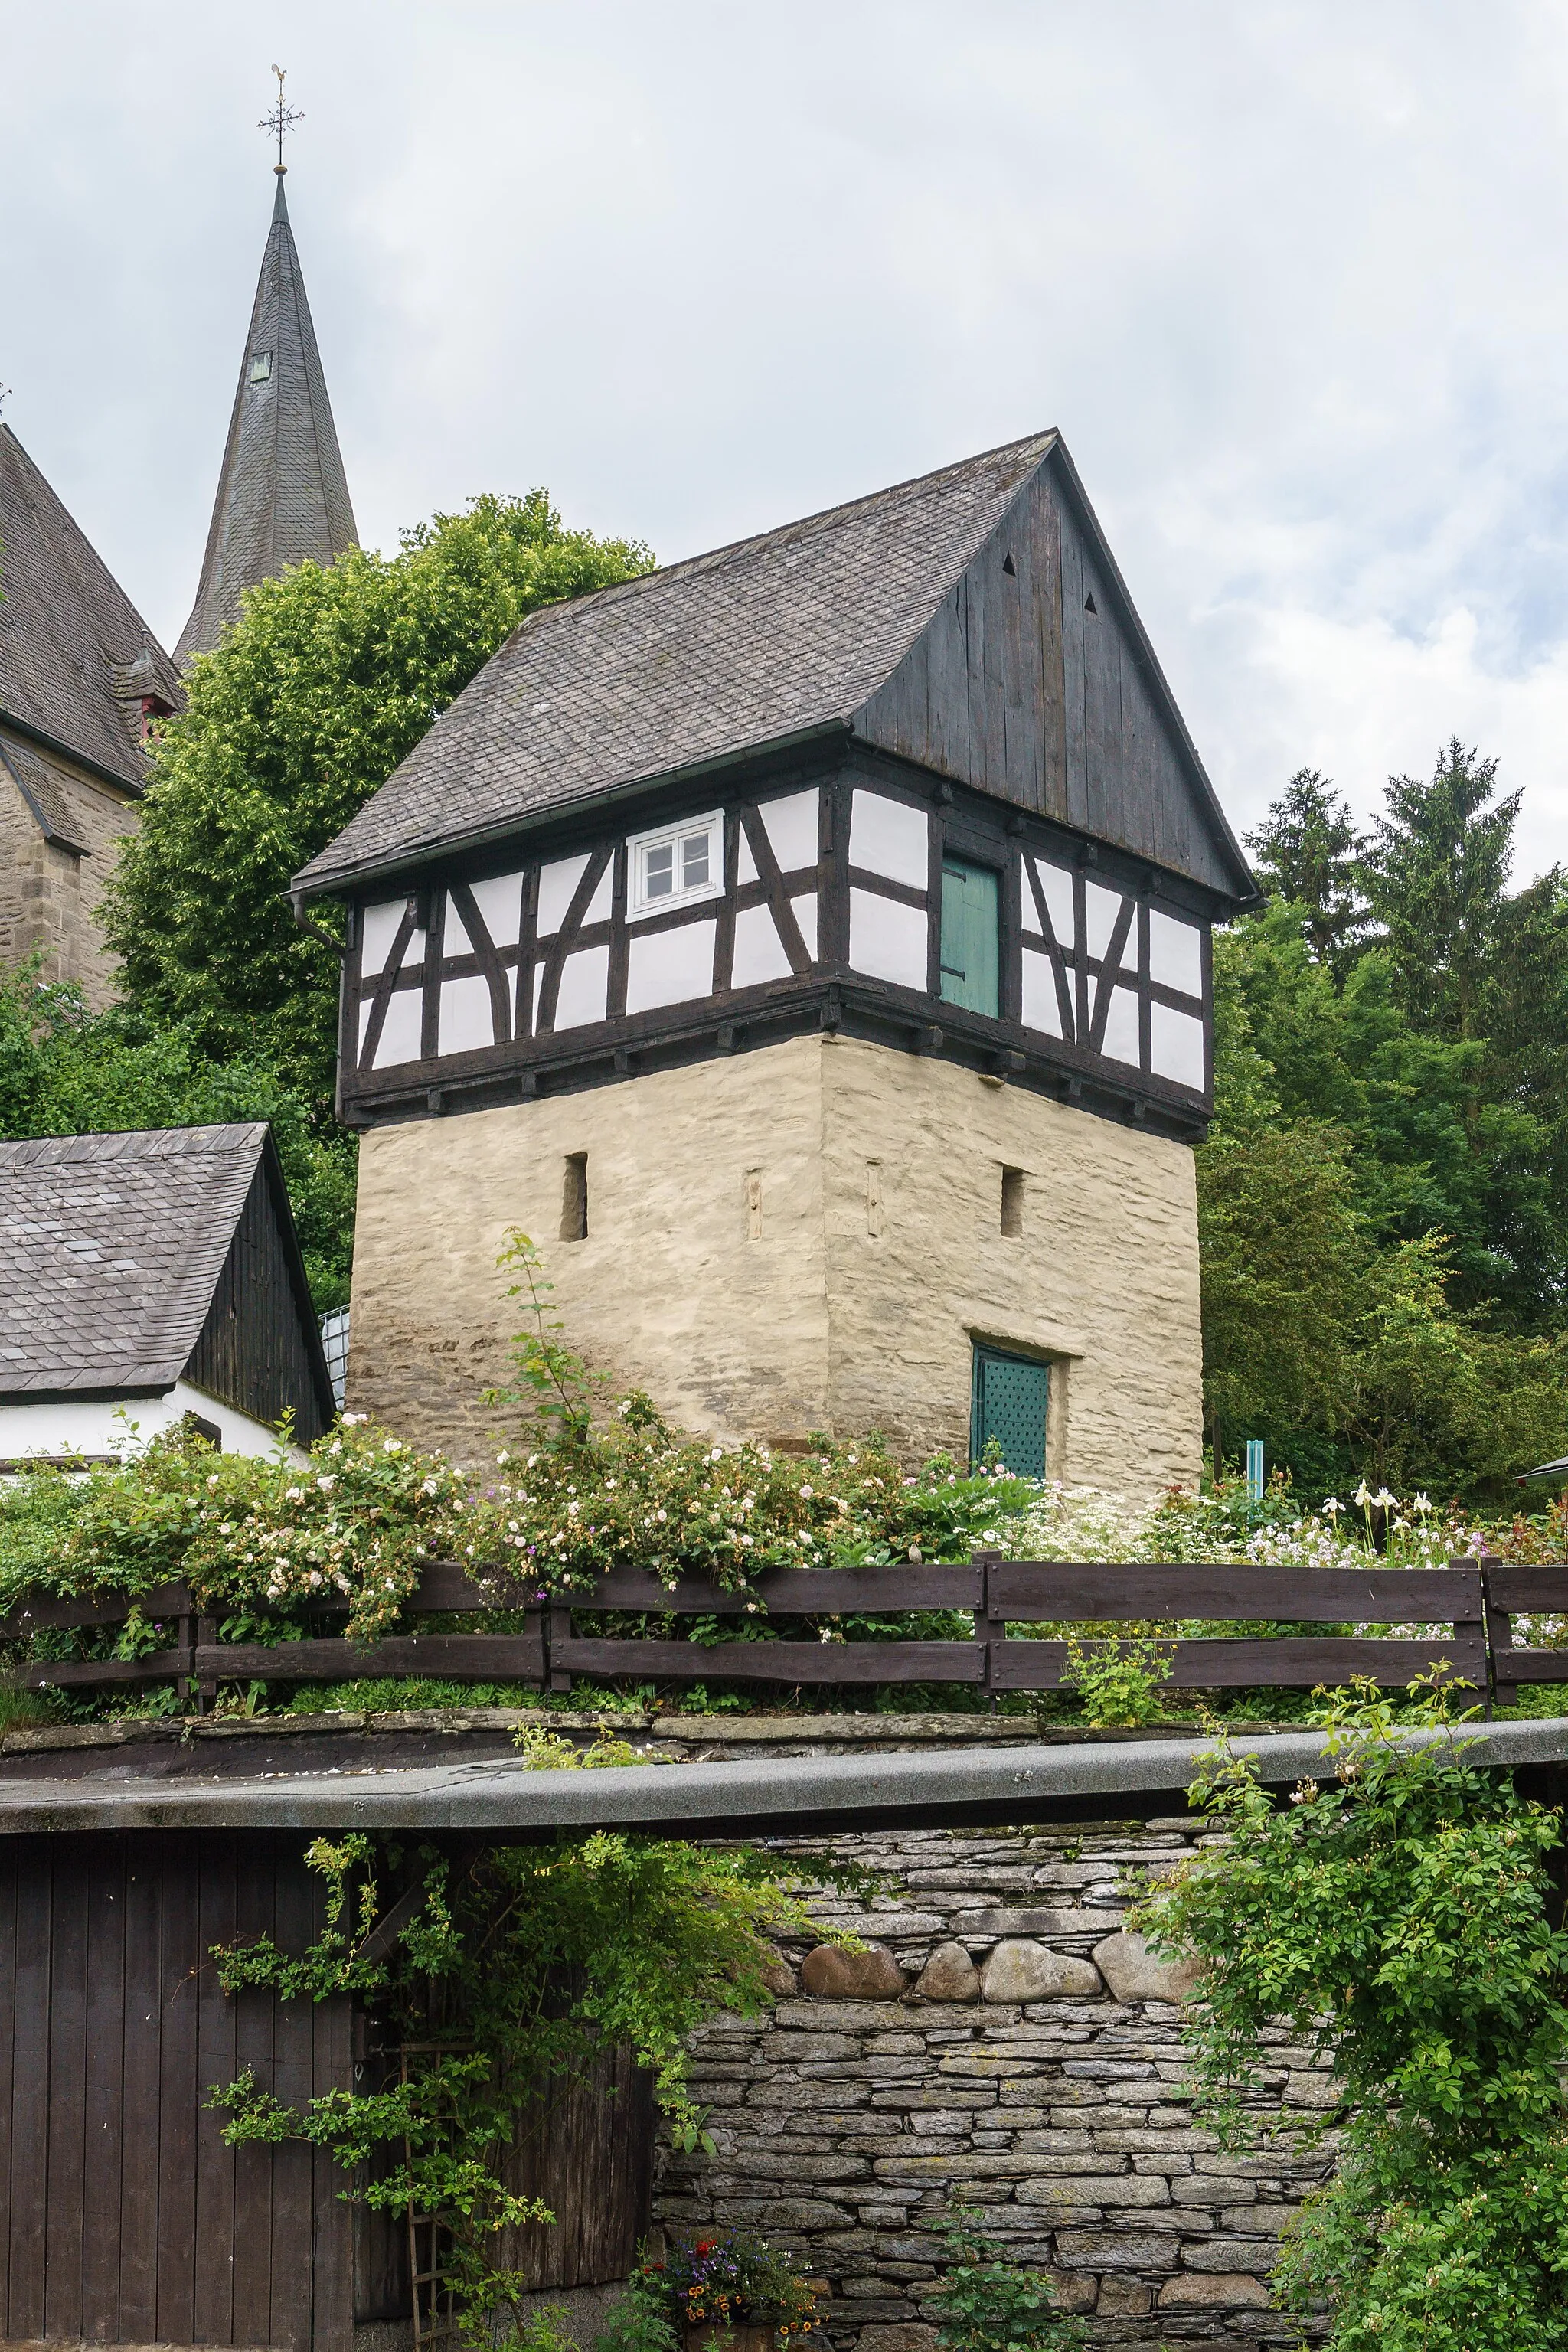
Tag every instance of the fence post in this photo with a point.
(185, 1642)
(556, 1678)
(207, 1685)
(1499, 1634)
(987, 1618)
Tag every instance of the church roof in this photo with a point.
(76, 656)
(765, 641)
(282, 495)
(110, 1249)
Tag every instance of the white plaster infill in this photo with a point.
(781, 1796)
(99, 1427)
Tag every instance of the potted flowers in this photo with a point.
(731, 2291)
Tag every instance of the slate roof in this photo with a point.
(760, 641)
(111, 1248)
(282, 495)
(76, 656)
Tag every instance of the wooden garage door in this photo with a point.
(123, 2215)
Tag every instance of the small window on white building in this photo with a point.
(677, 865)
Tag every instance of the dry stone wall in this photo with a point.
(1005, 2042)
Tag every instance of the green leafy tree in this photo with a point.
(1437, 879)
(1309, 852)
(1432, 1144)
(330, 679)
(1401, 1919)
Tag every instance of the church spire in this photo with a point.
(282, 497)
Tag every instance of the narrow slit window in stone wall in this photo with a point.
(1012, 1202)
(575, 1198)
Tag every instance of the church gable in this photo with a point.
(1033, 681)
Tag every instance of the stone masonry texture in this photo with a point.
(842, 2125)
(49, 894)
(803, 1237)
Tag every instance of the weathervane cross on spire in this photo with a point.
(281, 120)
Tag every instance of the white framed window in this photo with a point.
(675, 867)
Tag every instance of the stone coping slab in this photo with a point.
(728, 1731)
(778, 1796)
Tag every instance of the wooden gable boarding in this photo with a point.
(259, 1348)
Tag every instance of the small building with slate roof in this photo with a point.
(81, 677)
(809, 944)
(153, 1275)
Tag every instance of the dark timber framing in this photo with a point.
(823, 992)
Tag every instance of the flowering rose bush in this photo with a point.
(356, 1522)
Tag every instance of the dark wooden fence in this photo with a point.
(1519, 1591)
(794, 1640)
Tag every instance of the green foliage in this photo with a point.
(1309, 852)
(988, 2301)
(551, 1381)
(641, 2320)
(1402, 1920)
(37, 1514)
(1436, 879)
(330, 679)
(260, 1532)
(533, 2327)
(506, 1976)
(1384, 1196)
(67, 1071)
(1119, 1681)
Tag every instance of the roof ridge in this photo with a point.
(710, 557)
(214, 1137)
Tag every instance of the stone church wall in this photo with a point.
(803, 1236)
(1005, 2043)
(49, 894)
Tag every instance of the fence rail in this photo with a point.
(1472, 1603)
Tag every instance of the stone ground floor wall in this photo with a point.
(807, 1236)
(1005, 2042)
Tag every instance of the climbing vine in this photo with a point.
(503, 1972)
(1402, 1919)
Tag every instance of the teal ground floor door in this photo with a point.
(1011, 1396)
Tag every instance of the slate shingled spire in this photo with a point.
(282, 497)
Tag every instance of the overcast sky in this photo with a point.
(1292, 280)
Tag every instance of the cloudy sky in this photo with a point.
(1291, 278)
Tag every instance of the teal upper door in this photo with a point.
(971, 937)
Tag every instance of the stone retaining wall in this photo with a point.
(1005, 2043)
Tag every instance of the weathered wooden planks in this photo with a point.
(1471, 1600)
(123, 2217)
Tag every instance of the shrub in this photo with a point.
(1402, 1920)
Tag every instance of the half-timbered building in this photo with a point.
(809, 943)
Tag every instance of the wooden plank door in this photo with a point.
(123, 2217)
